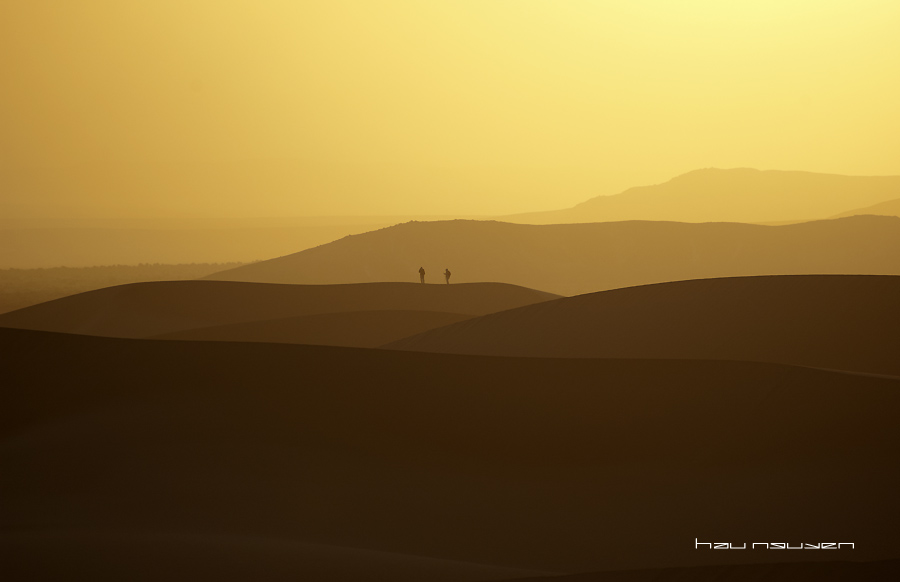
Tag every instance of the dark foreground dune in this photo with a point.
(572, 259)
(355, 329)
(802, 572)
(241, 452)
(846, 322)
(151, 309)
(117, 555)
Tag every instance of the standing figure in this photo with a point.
(447, 275)
(422, 274)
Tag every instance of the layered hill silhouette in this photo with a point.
(87, 247)
(24, 287)
(730, 195)
(571, 259)
(831, 321)
(358, 329)
(156, 308)
(275, 462)
(889, 208)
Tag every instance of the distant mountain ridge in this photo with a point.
(571, 259)
(888, 208)
(730, 195)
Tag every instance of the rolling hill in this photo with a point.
(87, 247)
(309, 462)
(156, 308)
(571, 259)
(889, 208)
(732, 195)
(355, 329)
(827, 321)
(25, 287)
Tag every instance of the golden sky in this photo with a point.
(430, 106)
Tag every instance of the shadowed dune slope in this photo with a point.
(804, 572)
(732, 195)
(20, 288)
(571, 259)
(358, 329)
(150, 309)
(154, 556)
(541, 464)
(847, 322)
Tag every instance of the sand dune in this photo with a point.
(571, 259)
(540, 464)
(118, 555)
(804, 572)
(730, 195)
(832, 321)
(21, 288)
(151, 309)
(358, 329)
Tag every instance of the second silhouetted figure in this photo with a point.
(422, 274)
(447, 275)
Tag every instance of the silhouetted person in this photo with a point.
(422, 274)
(447, 275)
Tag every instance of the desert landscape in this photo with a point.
(471, 431)
(449, 292)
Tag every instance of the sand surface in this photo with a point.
(549, 465)
(828, 321)
(572, 259)
(151, 309)
(356, 329)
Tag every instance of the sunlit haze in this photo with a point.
(449, 290)
(284, 108)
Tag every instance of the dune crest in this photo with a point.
(571, 259)
(847, 322)
(153, 309)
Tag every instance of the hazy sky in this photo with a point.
(460, 106)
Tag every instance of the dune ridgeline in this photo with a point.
(362, 315)
(582, 402)
(846, 322)
(571, 259)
